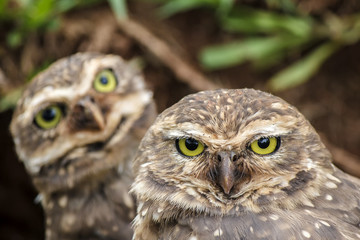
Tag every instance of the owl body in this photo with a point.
(76, 129)
(240, 164)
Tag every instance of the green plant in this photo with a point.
(269, 36)
(119, 8)
(25, 17)
(28, 16)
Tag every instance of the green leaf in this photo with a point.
(53, 24)
(251, 49)
(3, 8)
(9, 100)
(14, 38)
(176, 6)
(38, 13)
(119, 8)
(303, 69)
(225, 7)
(248, 20)
(65, 5)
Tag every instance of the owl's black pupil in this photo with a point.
(191, 144)
(49, 114)
(263, 143)
(104, 80)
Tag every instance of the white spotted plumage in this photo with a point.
(231, 192)
(82, 166)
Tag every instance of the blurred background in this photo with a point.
(305, 51)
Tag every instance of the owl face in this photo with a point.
(77, 107)
(218, 147)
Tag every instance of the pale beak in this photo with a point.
(226, 170)
(87, 114)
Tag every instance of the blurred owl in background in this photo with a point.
(76, 129)
(240, 164)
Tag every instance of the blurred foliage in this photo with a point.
(28, 16)
(9, 100)
(119, 8)
(23, 17)
(271, 36)
(274, 35)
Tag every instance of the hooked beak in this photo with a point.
(87, 115)
(226, 170)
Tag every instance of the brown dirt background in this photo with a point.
(330, 100)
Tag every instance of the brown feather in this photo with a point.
(82, 166)
(292, 193)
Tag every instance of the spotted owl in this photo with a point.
(240, 164)
(76, 129)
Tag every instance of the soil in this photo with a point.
(330, 100)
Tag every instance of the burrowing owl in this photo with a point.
(76, 129)
(240, 164)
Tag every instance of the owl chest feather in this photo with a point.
(98, 211)
(332, 213)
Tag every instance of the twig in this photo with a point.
(182, 69)
(186, 73)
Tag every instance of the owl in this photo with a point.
(76, 129)
(240, 164)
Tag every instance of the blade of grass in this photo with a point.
(39, 13)
(251, 49)
(9, 100)
(248, 20)
(290, 45)
(303, 69)
(119, 8)
(3, 9)
(175, 6)
(65, 5)
(225, 7)
(14, 38)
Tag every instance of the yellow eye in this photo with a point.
(48, 117)
(265, 145)
(189, 147)
(105, 81)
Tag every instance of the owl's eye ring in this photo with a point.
(265, 145)
(105, 81)
(189, 147)
(48, 117)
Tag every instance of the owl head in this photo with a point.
(78, 114)
(216, 148)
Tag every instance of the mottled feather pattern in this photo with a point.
(82, 166)
(293, 193)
